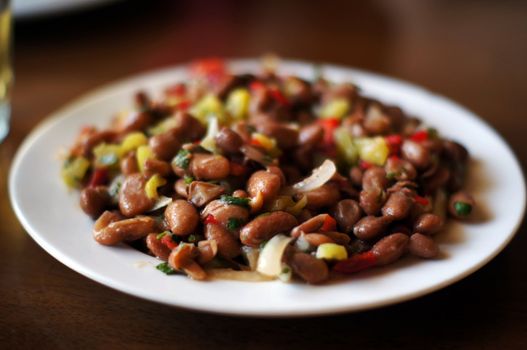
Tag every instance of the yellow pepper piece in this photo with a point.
(373, 149)
(132, 141)
(107, 155)
(238, 104)
(336, 108)
(331, 251)
(142, 154)
(153, 184)
(74, 171)
(164, 125)
(209, 105)
(346, 149)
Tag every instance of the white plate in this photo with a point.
(52, 216)
(37, 8)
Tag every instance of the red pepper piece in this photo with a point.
(420, 136)
(394, 143)
(421, 200)
(356, 263)
(364, 165)
(177, 90)
(237, 169)
(98, 177)
(208, 67)
(329, 224)
(183, 105)
(279, 97)
(167, 241)
(210, 219)
(329, 125)
(395, 157)
(256, 85)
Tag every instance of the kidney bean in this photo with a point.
(165, 145)
(347, 212)
(309, 268)
(132, 196)
(428, 224)
(407, 187)
(265, 182)
(90, 138)
(228, 245)
(95, 200)
(374, 178)
(228, 141)
(460, 205)
(416, 154)
(240, 194)
(207, 251)
(156, 247)
(201, 193)
(399, 169)
(183, 258)
(106, 219)
(457, 177)
(356, 176)
(390, 248)
(436, 180)
(371, 201)
(316, 239)
(454, 151)
(324, 196)
(310, 135)
(128, 164)
(397, 206)
(338, 237)
(123, 230)
(209, 166)
(423, 246)
(182, 217)
(370, 227)
(156, 166)
(135, 121)
(285, 136)
(311, 225)
(264, 227)
(304, 215)
(181, 188)
(376, 122)
(223, 212)
(188, 128)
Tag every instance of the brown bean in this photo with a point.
(183, 258)
(371, 201)
(285, 136)
(132, 196)
(416, 154)
(316, 239)
(265, 182)
(390, 248)
(188, 128)
(324, 196)
(228, 141)
(309, 268)
(207, 251)
(399, 169)
(397, 206)
(201, 193)
(181, 188)
(311, 225)
(374, 179)
(356, 176)
(156, 247)
(338, 237)
(370, 227)
(95, 200)
(134, 122)
(454, 151)
(182, 217)
(423, 246)
(310, 135)
(209, 166)
(156, 166)
(165, 145)
(264, 227)
(347, 212)
(89, 139)
(240, 194)
(376, 122)
(460, 205)
(436, 180)
(124, 230)
(228, 245)
(428, 224)
(223, 212)
(128, 164)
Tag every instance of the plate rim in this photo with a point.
(64, 112)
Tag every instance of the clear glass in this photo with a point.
(6, 73)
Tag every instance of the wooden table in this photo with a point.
(473, 52)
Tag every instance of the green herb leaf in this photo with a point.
(391, 175)
(432, 133)
(193, 238)
(182, 158)
(166, 269)
(462, 208)
(242, 202)
(188, 179)
(234, 223)
(162, 234)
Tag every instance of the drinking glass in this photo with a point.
(6, 74)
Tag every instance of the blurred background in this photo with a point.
(473, 51)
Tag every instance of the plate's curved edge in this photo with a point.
(99, 92)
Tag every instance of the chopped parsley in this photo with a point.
(188, 179)
(242, 202)
(462, 208)
(234, 223)
(193, 238)
(166, 269)
(432, 133)
(391, 175)
(162, 234)
(182, 158)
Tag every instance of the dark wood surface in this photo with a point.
(473, 51)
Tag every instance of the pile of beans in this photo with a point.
(207, 175)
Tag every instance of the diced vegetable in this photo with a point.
(331, 251)
(162, 126)
(373, 149)
(106, 155)
(188, 179)
(132, 141)
(329, 224)
(208, 141)
(319, 177)
(74, 170)
(166, 269)
(336, 108)
(161, 202)
(237, 104)
(209, 105)
(98, 177)
(182, 158)
(347, 151)
(265, 142)
(285, 274)
(270, 260)
(462, 208)
(234, 224)
(356, 263)
(152, 184)
(143, 153)
(242, 202)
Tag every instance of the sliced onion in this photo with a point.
(319, 177)
(251, 256)
(230, 274)
(161, 202)
(270, 260)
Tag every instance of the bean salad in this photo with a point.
(264, 176)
